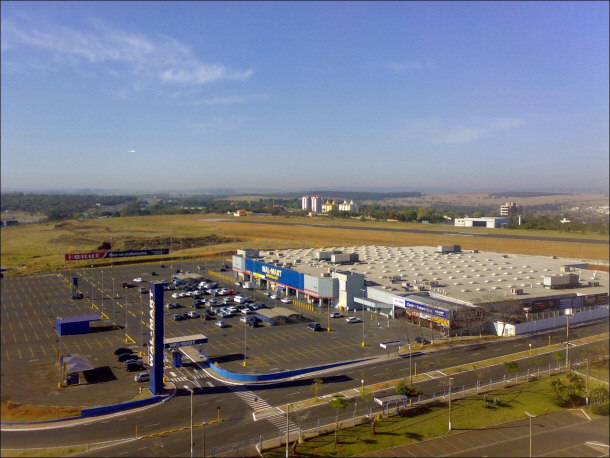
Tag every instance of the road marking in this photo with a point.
(210, 384)
(173, 374)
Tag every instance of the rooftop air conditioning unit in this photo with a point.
(516, 291)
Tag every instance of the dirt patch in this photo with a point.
(132, 243)
(12, 411)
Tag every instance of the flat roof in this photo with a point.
(193, 339)
(470, 277)
(79, 319)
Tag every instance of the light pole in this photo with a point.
(102, 294)
(141, 325)
(450, 382)
(245, 342)
(113, 300)
(328, 317)
(410, 372)
(530, 417)
(287, 429)
(362, 389)
(530, 349)
(363, 311)
(567, 339)
(191, 391)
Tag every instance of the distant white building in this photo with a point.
(349, 207)
(485, 221)
(510, 208)
(306, 203)
(316, 204)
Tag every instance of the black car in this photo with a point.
(314, 326)
(77, 296)
(421, 340)
(134, 366)
(153, 273)
(122, 350)
(126, 357)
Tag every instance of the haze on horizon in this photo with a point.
(297, 95)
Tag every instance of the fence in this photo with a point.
(365, 411)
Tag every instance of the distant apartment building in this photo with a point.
(349, 207)
(306, 203)
(510, 208)
(316, 204)
(329, 206)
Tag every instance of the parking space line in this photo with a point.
(44, 352)
(8, 357)
(18, 351)
(31, 351)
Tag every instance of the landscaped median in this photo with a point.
(429, 421)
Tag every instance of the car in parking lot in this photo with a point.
(154, 273)
(142, 290)
(352, 319)
(249, 320)
(336, 315)
(286, 300)
(421, 340)
(177, 317)
(77, 296)
(193, 314)
(122, 350)
(274, 296)
(171, 305)
(133, 366)
(314, 326)
(246, 311)
(126, 357)
(138, 280)
(142, 377)
(221, 324)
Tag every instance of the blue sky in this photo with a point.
(448, 95)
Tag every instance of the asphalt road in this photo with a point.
(237, 403)
(425, 231)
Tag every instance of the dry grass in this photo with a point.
(41, 247)
(11, 411)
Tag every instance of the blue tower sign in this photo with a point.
(155, 343)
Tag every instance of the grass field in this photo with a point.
(48, 452)
(431, 422)
(41, 247)
(11, 411)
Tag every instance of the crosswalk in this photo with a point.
(188, 378)
(257, 403)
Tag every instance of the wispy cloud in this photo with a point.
(401, 67)
(163, 57)
(230, 99)
(447, 131)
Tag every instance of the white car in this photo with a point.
(176, 295)
(352, 319)
(336, 315)
(273, 296)
(286, 301)
(221, 324)
(193, 314)
(138, 280)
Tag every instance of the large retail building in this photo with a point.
(442, 287)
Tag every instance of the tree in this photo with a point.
(405, 389)
(375, 421)
(511, 366)
(316, 384)
(338, 402)
(600, 400)
(298, 417)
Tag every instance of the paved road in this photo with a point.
(238, 404)
(430, 232)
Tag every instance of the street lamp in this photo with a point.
(191, 391)
(410, 372)
(287, 429)
(363, 310)
(530, 417)
(141, 314)
(245, 342)
(568, 339)
(450, 382)
(530, 349)
(362, 389)
(102, 294)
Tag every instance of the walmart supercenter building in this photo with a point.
(441, 287)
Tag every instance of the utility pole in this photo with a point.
(287, 429)
(530, 417)
(450, 382)
(567, 340)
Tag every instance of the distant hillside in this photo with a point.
(358, 195)
(528, 194)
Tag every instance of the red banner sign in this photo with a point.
(82, 256)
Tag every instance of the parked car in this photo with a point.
(274, 296)
(142, 289)
(421, 340)
(246, 311)
(314, 326)
(177, 317)
(126, 357)
(171, 305)
(133, 366)
(138, 280)
(142, 377)
(336, 315)
(286, 300)
(154, 273)
(352, 319)
(122, 350)
(193, 314)
(77, 296)
(221, 324)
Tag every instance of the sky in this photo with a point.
(305, 95)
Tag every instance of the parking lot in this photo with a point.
(30, 342)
